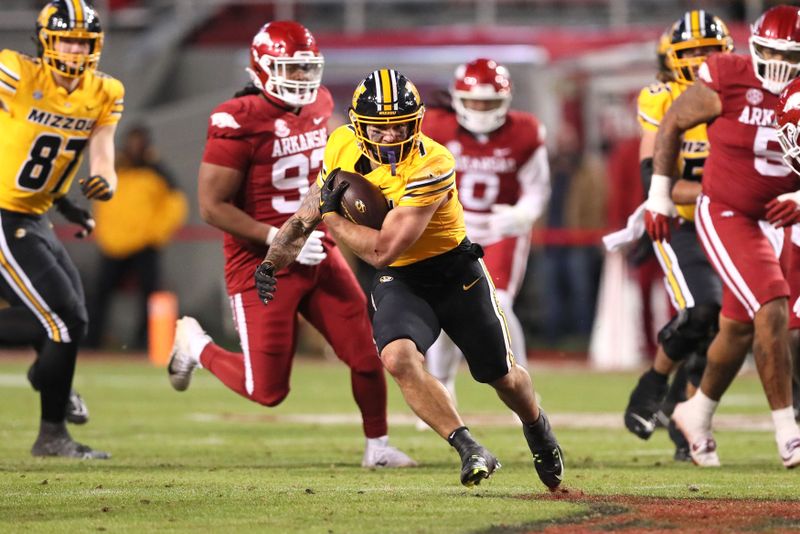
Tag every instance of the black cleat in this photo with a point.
(547, 456)
(681, 445)
(478, 465)
(54, 440)
(644, 404)
(77, 411)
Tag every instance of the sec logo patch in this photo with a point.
(384, 279)
(754, 96)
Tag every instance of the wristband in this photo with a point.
(271, 233)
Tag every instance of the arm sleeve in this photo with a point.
(646, 173)
(534, 179)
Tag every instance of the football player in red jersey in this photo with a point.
(503, 181)
(264, 147)
(788, 116)
(743, 189)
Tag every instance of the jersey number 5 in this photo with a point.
(36, 171)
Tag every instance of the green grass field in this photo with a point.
(207, 459)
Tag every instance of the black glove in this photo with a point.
(75, 214)
(96, 188)
(266, 283)
(331, 197)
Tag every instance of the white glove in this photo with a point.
(312, 252)
(659, 197)
(507, 220)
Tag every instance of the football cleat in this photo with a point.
(183, 360)
(54, 440)
(547, 456)
(644, 404)
(702, 446)
(378, 453)
(790, 453)
(477, 465)
(77, 412)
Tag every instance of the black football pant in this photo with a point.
(47, 309)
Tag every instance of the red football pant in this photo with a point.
(507, 260)
(329, 298)
(752, 258)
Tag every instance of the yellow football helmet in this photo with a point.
(695, 29)
(66, 20)
(387, 98)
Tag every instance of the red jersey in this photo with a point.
(279, 153)
(501, 167)
(744, 169)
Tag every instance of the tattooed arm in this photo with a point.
(294, 232)
(697, 105)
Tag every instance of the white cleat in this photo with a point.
(378, 453)
(183, 360)
(790, 453)
(702, 447)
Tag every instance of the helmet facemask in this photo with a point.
(775, 73)
(684, 67)
(481, 121)
(293, 80)
(388, 153)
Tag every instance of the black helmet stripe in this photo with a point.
(376, 79)
(393, 80)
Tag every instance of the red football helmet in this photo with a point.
(486, 81)
(788, 116)
(775, 47)
(285, 63)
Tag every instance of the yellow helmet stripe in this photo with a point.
(695, 27)
(76, 10)
(386, 89)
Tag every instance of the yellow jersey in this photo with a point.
(424, 178)
(45, 129)
(654, 101)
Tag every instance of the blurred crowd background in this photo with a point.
(577, 64)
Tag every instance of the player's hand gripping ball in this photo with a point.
(363, 202)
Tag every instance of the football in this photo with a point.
(362, 202)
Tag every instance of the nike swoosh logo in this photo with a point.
(318, 120)
(468, 286)
(650, 426)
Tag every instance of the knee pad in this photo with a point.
(692, 330)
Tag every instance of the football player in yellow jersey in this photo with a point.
(51, 108)
(430, 276)
(694, 288)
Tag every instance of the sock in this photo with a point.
(227, 366)
(55, 368)
(197, 344)
(369, 392)
(701, 409)
(462, 441)
(381, 441)
(785, 425)
(654, 377)
(48, 430)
